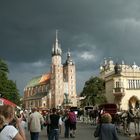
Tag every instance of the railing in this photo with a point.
(119, 91)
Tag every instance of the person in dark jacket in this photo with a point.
(106, 130)
(54, 125)
(66, 124)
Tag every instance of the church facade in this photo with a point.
(56, 88)
(122, 84)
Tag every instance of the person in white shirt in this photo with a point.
(10, 132)
(24, 124)
(35, 122)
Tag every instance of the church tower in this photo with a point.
(56, 82)
(70, 79)
(56, 88)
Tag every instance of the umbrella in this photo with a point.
(6, 102)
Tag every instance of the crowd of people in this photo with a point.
(13, 124)
(54, 120)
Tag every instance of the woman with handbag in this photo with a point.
(106, 130)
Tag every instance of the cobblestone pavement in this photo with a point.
(84, 132)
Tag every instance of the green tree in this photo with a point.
(3, 76)
(8, 88)
(93, 92)
(3, 67)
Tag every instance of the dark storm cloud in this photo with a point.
(91, 29)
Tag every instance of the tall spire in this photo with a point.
(56, 36)
(56, 41)
(56, 50)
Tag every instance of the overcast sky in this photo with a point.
(91, 29)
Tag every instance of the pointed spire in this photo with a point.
(105, 61)
(68, 53)
(56, 50)
(134, 63)
(56, 36)
(122, 62)
(69, 61)
(56, 41)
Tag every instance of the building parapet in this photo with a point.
(108, 67)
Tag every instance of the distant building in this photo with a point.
(56, 88)
(79, 101)
(122, 84)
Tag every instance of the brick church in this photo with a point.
(56, 88)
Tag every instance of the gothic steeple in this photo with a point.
(69, 60)
(56, 49)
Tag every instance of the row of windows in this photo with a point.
(58, 76)
(118, 84)
(133, 84)
(65, 71)
(37, 89)
(36, 103)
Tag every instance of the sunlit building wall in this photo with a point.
(122, 83)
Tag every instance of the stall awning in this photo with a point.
(6, 102)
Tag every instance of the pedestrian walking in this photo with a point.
(35, 122)
(72, 120)
(66, 124)
(24, 121)
(54, 125)
(7, 131)
(47, 123)
(106, 130)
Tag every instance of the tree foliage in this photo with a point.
(93, 91)
(3, 67)
(8, 88)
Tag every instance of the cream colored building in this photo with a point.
(122, 83)
(56, 88)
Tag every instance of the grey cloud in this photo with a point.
(102, 28)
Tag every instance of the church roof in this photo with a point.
(39, 80)
(45, 78)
